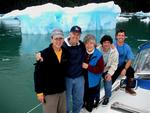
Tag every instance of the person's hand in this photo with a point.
(84, 65)
(41, 98)
(112, 46)
(39, 57)
(108, 77)
(123, 72)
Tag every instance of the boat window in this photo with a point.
(142, 61)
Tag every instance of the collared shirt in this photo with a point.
(58, 54)
(67, 42)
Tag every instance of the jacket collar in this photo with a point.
(67, 42)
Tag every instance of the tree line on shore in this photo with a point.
(126, 5)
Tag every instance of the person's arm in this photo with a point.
(38, 82)
(130, 57)
(128, 64)
(114, 59)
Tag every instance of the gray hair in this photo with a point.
(89, 37)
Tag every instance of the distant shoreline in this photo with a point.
(127, 6)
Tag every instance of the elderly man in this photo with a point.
(74, 78)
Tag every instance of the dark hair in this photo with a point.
(106, 38)
(120, 31)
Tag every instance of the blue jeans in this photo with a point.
(74, 93)
(107, 87)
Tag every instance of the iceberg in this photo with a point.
(43, 19)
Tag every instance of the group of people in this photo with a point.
(68, 73)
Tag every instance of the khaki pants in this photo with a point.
(55, 103)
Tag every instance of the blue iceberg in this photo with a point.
(44, 18)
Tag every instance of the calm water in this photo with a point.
(17, 58)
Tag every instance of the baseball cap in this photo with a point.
(75, 29)
(57, 33)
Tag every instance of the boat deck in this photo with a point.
(141, 101)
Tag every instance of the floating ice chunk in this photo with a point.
(5, 59)
(126, 14)
(146, 20)
(123, 19)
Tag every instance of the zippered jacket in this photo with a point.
(95, 68)
(49, 75)
(76, 56)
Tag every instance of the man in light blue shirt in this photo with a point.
(126, 58)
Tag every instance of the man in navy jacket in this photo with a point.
(74, 77)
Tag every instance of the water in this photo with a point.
(17, 58)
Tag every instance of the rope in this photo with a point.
(34, 108)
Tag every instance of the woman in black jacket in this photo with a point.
(49, 75)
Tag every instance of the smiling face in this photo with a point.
(74, 38)
(106, 45)
(57, 38)
(120, 37)
(57, 42)
(90, 45)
